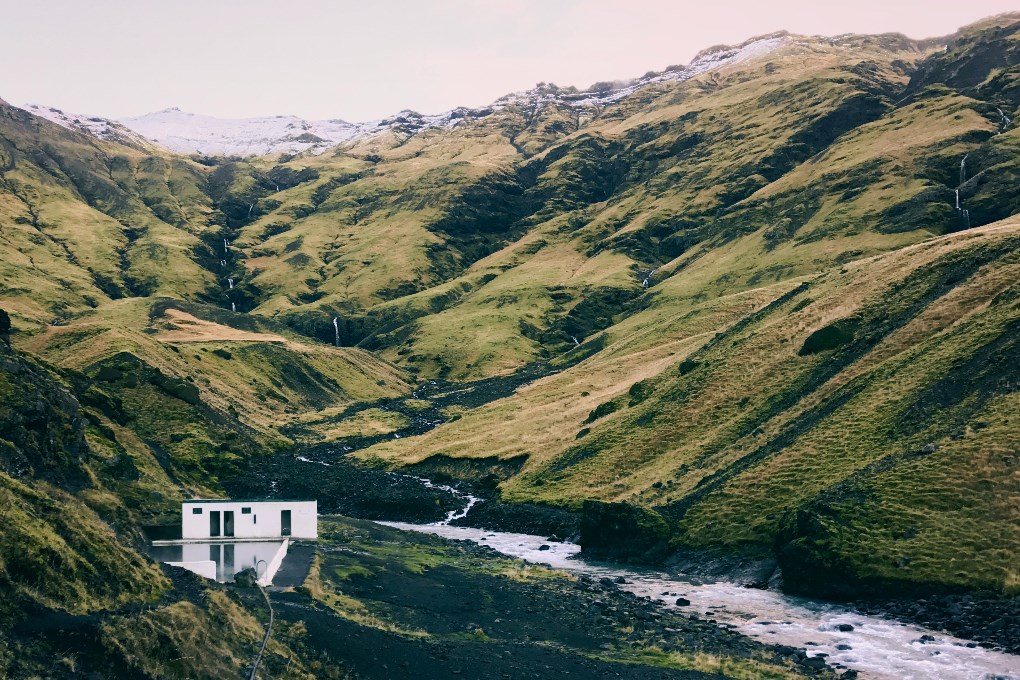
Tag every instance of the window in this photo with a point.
(245, 511)
(196, 511)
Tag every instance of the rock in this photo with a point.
(619, 579)
(815, 662)
(623, 531)
(844, 628)
(843, 648)
(849, 675)
(926, 638)
(543, 547)
(682, 602)
(246, 578)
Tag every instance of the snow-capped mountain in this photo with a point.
(103, 128)
(705, 61)
(193, 133)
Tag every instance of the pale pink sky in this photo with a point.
(364, 60)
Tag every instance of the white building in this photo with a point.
(231, 519)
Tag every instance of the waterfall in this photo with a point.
(250, 208)
(966, 218)
(648, 278)
(226, 246)
(957, 199)
(576, 343)
(963, 169)
(1004, 120)
(230, 282)
(336, 331)
(233, 307)
(223, 263)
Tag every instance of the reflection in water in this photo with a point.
(875, 647)
(229, 558)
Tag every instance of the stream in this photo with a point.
(875, 647)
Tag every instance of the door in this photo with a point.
(214, 523)
(228, 523)
(285, 522)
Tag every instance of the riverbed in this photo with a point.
(877, 648)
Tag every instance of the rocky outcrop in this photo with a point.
(623, 532)
(42, 432)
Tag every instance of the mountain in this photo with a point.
(758, 311)
(102, 128)
(190, 133)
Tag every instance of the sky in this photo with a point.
(365, 60)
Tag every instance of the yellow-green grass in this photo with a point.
(327, 425)
(724, 415)
(262, 376)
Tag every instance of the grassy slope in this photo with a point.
(78, 596)
(741, 441)
(86, 221)
(199, 396)
(688, 166)
(774, 198)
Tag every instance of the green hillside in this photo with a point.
(766, 314)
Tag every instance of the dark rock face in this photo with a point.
(753, 571)
(342, 487)
(809, 569)
(623, 531)
(5, 327)
(42, 432)
(522, 518)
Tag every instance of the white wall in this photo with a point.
(262, 522)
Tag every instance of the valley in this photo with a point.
(741, 330)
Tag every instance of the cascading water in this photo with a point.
(880, 649)
(226, 247)
(336, 331)
(233, 307)
(648, 278)
(576, 341)
(250, 208)
(1004, 120)
(230, 282)
(963, 169)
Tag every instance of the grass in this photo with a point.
(731, 466)
(811, 189)
(447, 594)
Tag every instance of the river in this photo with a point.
(877, 648)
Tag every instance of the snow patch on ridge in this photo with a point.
(705, 61)
(193, 133)
(102, 128)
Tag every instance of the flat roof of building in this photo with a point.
(251, 500)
